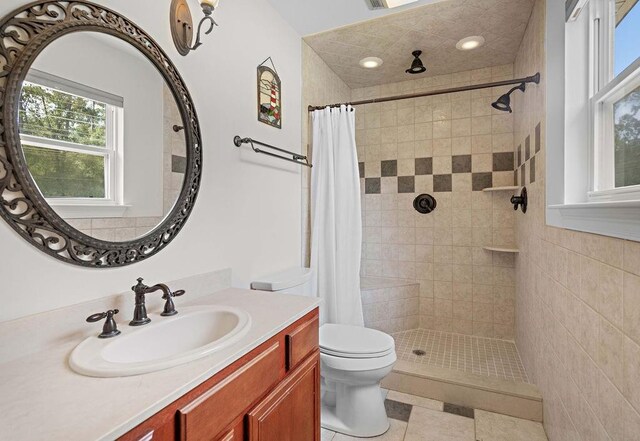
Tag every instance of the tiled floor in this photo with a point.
(422, 419)
(477, 355)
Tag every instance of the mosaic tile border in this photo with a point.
(526, 159)
(404, 181)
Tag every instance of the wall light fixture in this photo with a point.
(182, 24)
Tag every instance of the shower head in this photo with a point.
(504, 102)
(416, 65)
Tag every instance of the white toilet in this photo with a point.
(353, 361)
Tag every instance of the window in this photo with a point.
(70, 136)
(592, 122)
(615, 100)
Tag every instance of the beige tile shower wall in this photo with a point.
(320, 86)
(577, 301)
(432, 144)
(390, 305)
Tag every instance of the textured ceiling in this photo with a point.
(434, 29)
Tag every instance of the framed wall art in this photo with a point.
(269, 95)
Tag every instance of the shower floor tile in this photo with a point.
(476, 355)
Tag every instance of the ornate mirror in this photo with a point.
(100, 154)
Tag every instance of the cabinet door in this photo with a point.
(292, 411)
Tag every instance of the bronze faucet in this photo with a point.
(140, 311)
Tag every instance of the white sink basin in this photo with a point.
(165, 342)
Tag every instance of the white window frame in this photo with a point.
(112, 204)
(574, 91)
(607, 89)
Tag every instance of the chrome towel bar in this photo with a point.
(295, 157)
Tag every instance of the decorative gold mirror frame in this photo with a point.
(23, 35)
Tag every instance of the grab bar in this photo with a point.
(295, 157)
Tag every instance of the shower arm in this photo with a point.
(532, 79)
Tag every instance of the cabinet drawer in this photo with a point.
(206, 417)
(301, 342)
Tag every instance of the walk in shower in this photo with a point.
(442, 282)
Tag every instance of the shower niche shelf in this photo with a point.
(510, 188)
(502, 250)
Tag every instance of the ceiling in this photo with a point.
(435, 29)
(313, 16)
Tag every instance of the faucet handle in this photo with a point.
(110, 329)
(169, 306)
(169, 294)
(99, 316)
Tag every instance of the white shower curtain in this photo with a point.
(336, 223)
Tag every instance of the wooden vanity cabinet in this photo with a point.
(270, 394)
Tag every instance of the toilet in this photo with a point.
(353, 361)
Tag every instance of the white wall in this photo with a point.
(247, 216)
(113, 66)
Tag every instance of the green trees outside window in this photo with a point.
(627, 140)
(51, 116)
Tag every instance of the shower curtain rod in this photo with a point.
(532, 79)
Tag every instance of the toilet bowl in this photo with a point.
(353, 361)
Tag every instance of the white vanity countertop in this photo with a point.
(41, 398)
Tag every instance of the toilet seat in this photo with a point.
(354, 342)
(347, 364)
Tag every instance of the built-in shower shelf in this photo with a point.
(510, 188)
(502, 250)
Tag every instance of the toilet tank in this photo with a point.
(290, 281)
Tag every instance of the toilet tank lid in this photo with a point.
(283, 280)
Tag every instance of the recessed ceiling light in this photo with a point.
(371, 62)
(469, 43)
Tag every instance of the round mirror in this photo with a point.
(98, 136)
(100, 156)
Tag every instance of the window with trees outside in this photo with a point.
(615, 102)
(69, 138)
